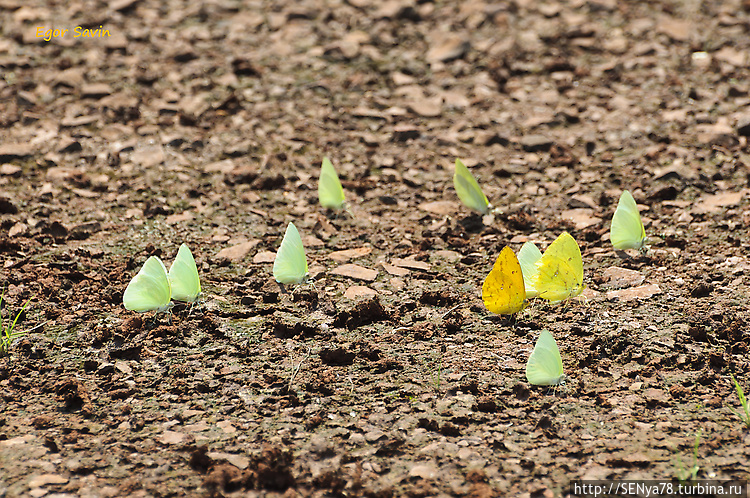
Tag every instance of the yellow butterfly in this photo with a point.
(503, 291)
(560, 270)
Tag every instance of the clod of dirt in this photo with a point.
(273, 469)
(424, 331)
(35, 349)
(130, 352)
(56, 230)
(74, 395)
(363, 313)
(286, 326)
(486, 404)
(656, 397)
(391, 446)
(664, 194)
(42, 422)
(536, 143)
(132, 324)
(241, 174)
(308, 295)
(7, 207)
(84, 230)
(703, 289)
(271, 182)
(521, 391)
(337, 357)
(429, 424)
(199, 460)
(224, 477)
(8, 246)
(449, 429)
(402, 133)
(269, 293)
(243, 67)
(716, 360)
(442, 297)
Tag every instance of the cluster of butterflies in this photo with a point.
(154, 289)
(555, 275)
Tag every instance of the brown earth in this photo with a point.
(206, 124)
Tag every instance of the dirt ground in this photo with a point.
(206, 124)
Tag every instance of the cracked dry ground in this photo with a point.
(206, 124)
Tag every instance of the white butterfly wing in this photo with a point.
(290, 265)
(544, 367)
(149, 290)
(527, 257)
(627, 231)
(183, 276)
(468, 189)
(330, 192)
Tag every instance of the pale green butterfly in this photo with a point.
(290, 265)
(545, 367)
(468, 189)
(527, 257)
(149, 290)
(330, 193)
(183, 276)
(627, 230)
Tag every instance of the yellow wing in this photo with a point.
(503, 291)
(560, 274)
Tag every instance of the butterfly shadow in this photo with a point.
(642, 255)
(196, 305)
(301, 292)
(554, 389)
(473, 223)
(515, 321)
(154, 321)
(339, 214)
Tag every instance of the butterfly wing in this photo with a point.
(627, 231)
(544, 367)
(527, 258)
(503, 290)
(183, 276)
(149, 290)
(560, 270)
(468, 189)
(290, 265)
(330, 192)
